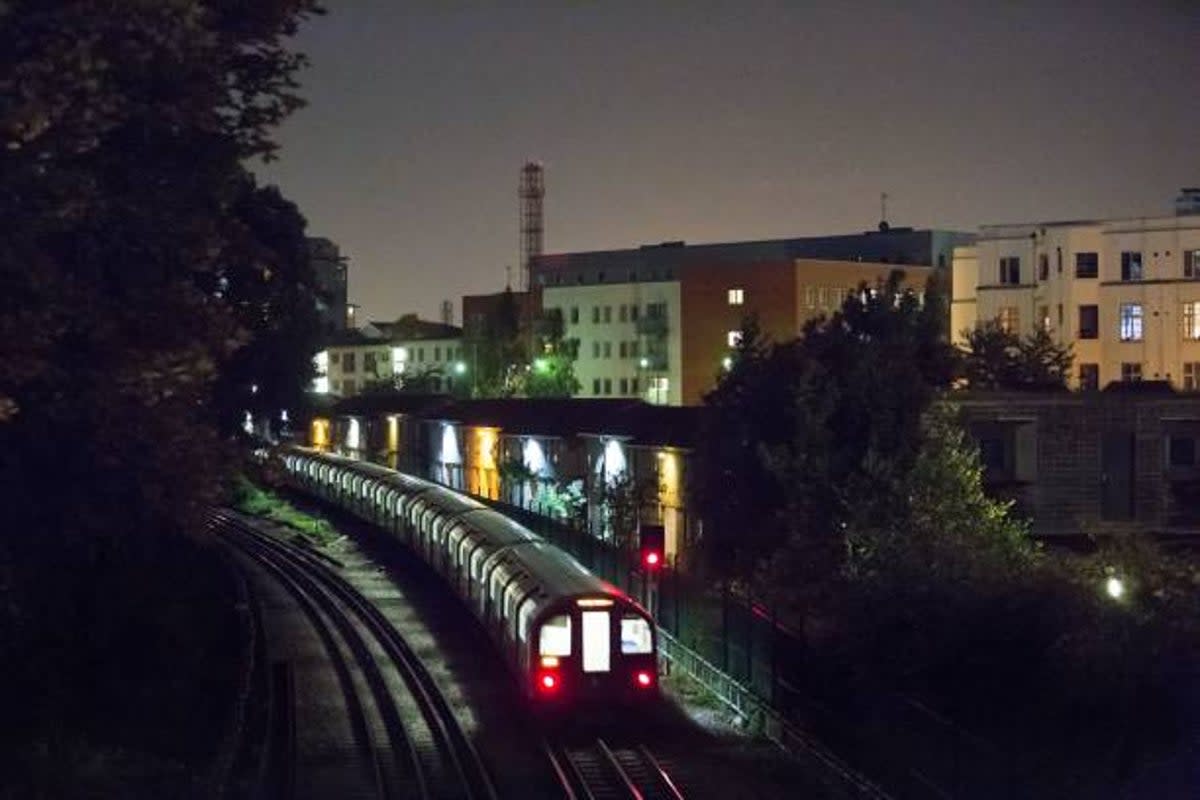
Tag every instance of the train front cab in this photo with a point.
(589, 651)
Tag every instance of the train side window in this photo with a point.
(524, 617)
(555, 637)
(636, 636)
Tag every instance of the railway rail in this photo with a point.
(425, 757)
(597, 771)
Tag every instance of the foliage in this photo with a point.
(552, 372)
(147, 283)
(803, 436)
(996, 358)
(496, 349)
(623, 500)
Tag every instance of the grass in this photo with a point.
(252, 499)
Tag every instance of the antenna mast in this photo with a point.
(531, 191)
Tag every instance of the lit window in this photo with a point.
(636, 636)
(736, 297)
(1131, 322)
(1191, 320)
(1191, 376)
(1009, 319)
(1191, 263)
(733, 338)
(1131, 371)
(555, 639)
(1044, 316)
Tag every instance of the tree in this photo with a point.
(802, 437)
(496, 350)
(552, 371)
(135, 300)
(997, 358)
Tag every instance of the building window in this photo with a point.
(421, 354)
(437, 354)
(1043, 266)
(608, 313)
(633, 313)
(737, 297)
(1060, 315)
(368, 362)
(1191, 263)
(733, 338)
(608, 385)
(624, 350)
(1010, 270)
(1089, 377)
(634, 385)
(1089, 322)
(1191, 320)
(348, 364)
(574, 315)
(608, 349)
(1087, 265)
(335, 357)
(624, 385)
(595, 315)
(595, 349)
(1182, 451)
(1131, 265)
(1009, 319)
(623, 313)
(1058, 258)
(1131, 371)
(633, 349)
(1131, 322)
(1044, 317)
(349, 387)
(596, 386)
(1191, 376)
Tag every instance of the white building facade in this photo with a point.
(1125, 294)
(629, 338)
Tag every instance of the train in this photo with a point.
(569, 638)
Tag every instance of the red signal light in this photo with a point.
(547, 682)
(653, 559)
(652, 539)
(644, 679)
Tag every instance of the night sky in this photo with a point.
(722, 121)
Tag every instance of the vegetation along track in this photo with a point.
(599, 772)
(429, 758)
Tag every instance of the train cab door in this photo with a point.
(596, 640)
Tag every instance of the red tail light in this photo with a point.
(547, 682)
(644, 679)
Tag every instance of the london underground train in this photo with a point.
(569, 637)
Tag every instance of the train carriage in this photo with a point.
(569, 636)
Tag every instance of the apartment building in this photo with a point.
(380, 353)
(659, 323)
(1124, 293)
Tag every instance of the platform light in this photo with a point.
(727, 363)
(459, 367)
(644, 362)
(1115, 587)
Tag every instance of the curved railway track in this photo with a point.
(429, 757)
(599, 772)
